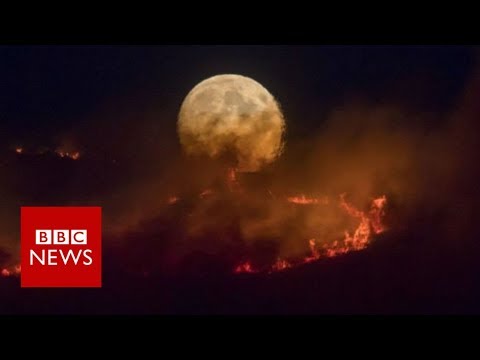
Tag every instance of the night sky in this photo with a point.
(46, 89)
(118, 105)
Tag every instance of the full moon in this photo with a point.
(235, 115)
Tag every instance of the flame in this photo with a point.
(303, 200)
(377, 212)
(315, 255)
(245, 267)
(370, 222)
(75, 155)
(13, 271)
(280, 265)
(5, 272)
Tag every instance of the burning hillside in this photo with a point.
(327, 226)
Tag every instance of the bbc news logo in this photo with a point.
(61, 237)
(61, 247)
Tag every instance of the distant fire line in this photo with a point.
(74, 155)
(359, 240)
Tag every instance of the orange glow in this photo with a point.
(5, 272)
(232, 175)
(303, 200)
(206, 193)
(232, 181)
(245, 267)
(369, 222)
(315, 255)
(377, 212)
(280, 265)
(172, 200)
(15, 270)
(75, 155)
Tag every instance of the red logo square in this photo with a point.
(61, 246)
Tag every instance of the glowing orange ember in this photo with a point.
(75, 155)
(280, 265)
(5, 272)
(315, 255)
(206, 193)
(245, 267)
(377, 212)
(303, 200)
(172, 200)
(16, 270)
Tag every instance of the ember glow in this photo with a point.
(11, 271)
(280, 265)
(322, 237)
(303, 200)
(363, 223)
(172, 200)
(205, 193)
(245, 267)
(74, 155)
(377, 212)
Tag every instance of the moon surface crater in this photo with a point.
(232, 115)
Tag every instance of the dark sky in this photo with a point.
(47, 89)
